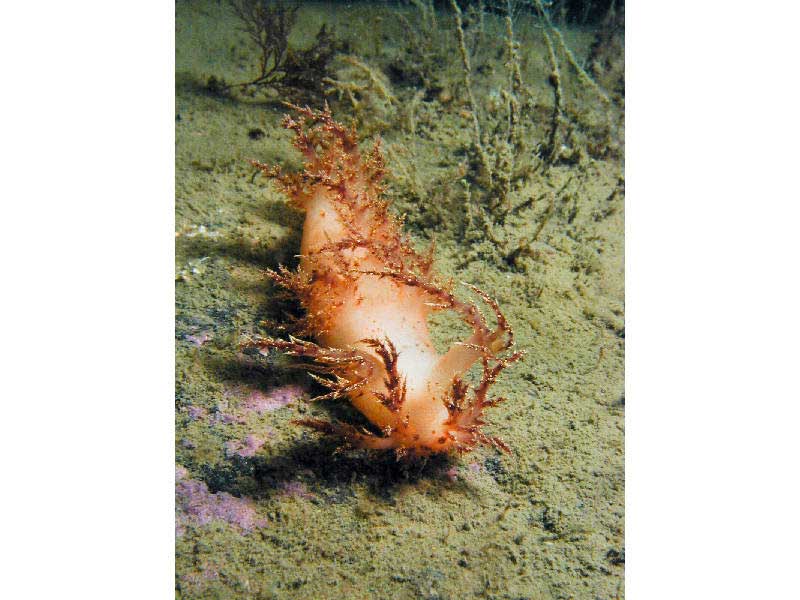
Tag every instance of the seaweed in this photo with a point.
(516, 140)
(295, 74)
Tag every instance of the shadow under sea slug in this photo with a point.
(367, 295)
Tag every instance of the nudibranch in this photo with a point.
(367, 295)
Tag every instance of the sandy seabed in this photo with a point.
(267, 509)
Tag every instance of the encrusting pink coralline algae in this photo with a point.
(196, 505)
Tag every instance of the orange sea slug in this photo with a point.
(367, 294)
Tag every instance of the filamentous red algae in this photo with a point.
(367, 294)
